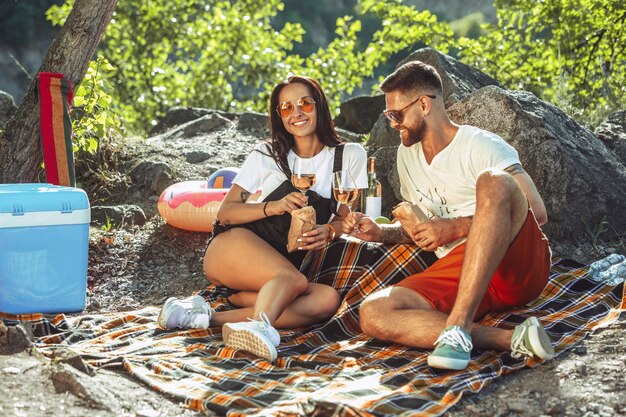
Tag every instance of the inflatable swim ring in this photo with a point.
(191, 205)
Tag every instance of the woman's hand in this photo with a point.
(287, 204)
(314, 239)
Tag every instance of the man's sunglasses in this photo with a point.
(306, 104)
(396, 115)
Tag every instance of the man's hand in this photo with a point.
(362, 227)
(437, 232)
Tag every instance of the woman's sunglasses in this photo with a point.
(306, 104)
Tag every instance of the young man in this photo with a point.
(484, 216)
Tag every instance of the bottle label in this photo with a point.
(373, 206)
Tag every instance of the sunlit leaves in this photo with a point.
(568, 51)
(91, 115)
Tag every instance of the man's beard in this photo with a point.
(414, 135)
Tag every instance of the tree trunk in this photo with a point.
(70, 53)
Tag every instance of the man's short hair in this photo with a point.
(414, 75)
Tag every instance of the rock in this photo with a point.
(459, 80)
(74, 360)
(382, 135)
(387, 174)
(253, 121)
(517, 406)
(120, 215)
(613, 133)
(177, 116)
(153, 177)
(14, 339)
(349, 136)
(359, 114)
(67, 379)
(193, 128)
(7, 107)
(580, 350)
(196, 157)
(567, 162)
(555, 407)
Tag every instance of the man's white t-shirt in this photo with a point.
(260, 172)
(446, 188)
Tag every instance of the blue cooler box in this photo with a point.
(44, 238)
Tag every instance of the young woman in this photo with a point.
(247, 252)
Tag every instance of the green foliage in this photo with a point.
(469, 26)
(594, 231)
(557, 49)
(92, 115)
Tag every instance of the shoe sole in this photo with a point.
(447, 363)
(539, 340)
(161, 322)
(244, 339)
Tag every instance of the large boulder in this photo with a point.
(360, 113)
(459, 80)
(579, 180)
(613, 133)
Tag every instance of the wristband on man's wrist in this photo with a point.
(331, 232)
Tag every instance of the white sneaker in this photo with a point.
(255, 336)
(189, 313)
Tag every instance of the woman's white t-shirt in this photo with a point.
(260, 172)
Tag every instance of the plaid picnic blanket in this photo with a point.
(330, 368)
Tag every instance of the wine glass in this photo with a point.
(303, 174)
(344, 188)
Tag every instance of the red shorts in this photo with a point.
(519, 279)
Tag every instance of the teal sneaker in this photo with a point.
(531, 339)
(453, 349)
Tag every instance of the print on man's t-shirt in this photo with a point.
(435, 203)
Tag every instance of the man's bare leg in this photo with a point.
(403, 316)
(501, 209)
